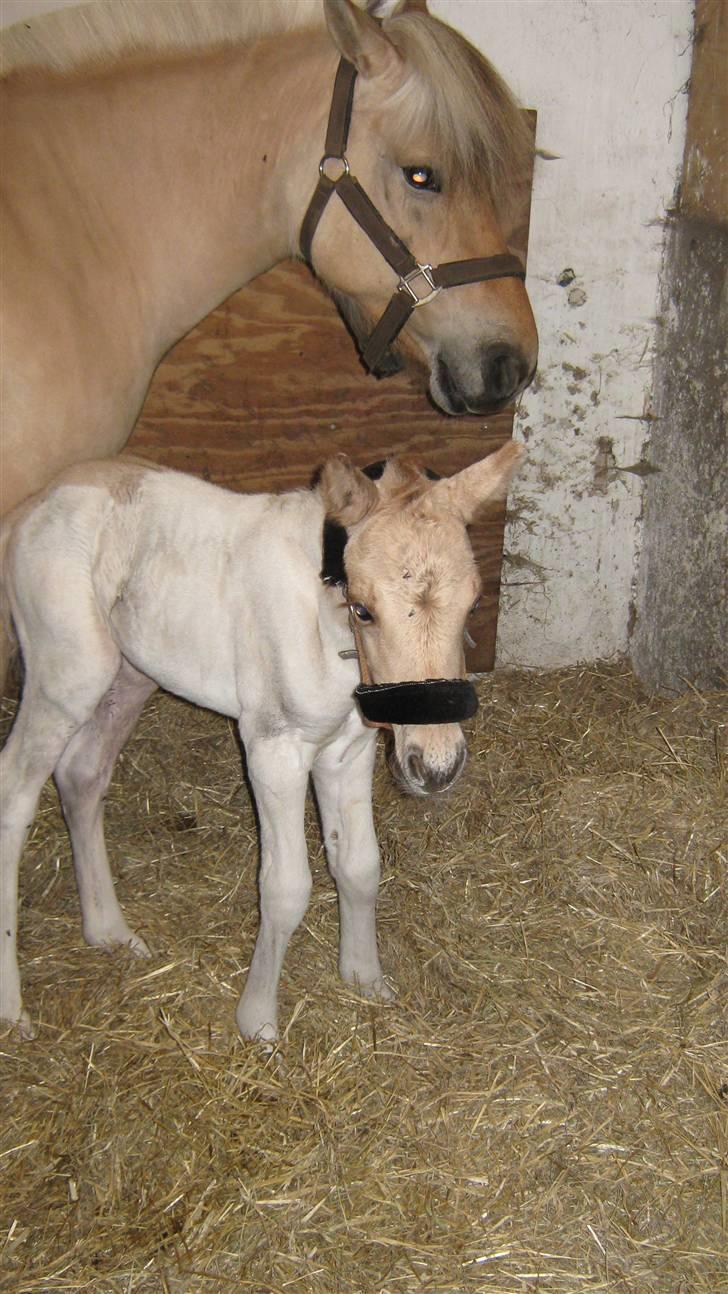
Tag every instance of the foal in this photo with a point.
(123, 577)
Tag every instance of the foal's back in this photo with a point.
(175, 571)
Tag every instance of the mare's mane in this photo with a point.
(100, 33)
(454, 96)
(463, 106)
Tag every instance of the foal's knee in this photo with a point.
(76, 782)
(285, 891)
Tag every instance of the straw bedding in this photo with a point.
(543, 1108)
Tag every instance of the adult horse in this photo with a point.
(140, 190)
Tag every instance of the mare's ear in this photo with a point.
(360, 39)
(385, 8)
(480, 484)
(348, 495)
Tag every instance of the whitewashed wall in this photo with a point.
(608, 78)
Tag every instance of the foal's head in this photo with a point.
(411, 581)
(442, 150)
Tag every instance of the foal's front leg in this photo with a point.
(279, 769)
(343, 780)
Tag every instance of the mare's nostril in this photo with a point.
(503, 372)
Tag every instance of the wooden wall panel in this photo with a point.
(269, 385)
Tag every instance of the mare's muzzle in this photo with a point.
(432, 700)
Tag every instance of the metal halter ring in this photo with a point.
(331, 157)
(405, 285)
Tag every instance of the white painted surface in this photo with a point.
(607, 79)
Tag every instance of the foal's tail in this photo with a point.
(8, 641)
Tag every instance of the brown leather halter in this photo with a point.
(418, 283)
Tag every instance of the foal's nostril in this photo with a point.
(414, 767)
(431, 778)
(458, 765)
(503, 372)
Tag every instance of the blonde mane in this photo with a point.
(102, 31)
(454, 93)
(465, 108)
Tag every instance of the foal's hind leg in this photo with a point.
(40, 734)
(82, 776)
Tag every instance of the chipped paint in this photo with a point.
(608, 83)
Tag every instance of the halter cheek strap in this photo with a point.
(418, 283)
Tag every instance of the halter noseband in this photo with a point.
(418, 283)
(413, 701)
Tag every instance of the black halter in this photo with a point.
(418, 283)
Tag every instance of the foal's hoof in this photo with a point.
(111, 942)
(22, 1026)
(377, 990)
(138, 946)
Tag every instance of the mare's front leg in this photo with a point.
(342, 777)
(279, 770)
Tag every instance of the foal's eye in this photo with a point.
(474, 607)
(362, 613)
(421, 177)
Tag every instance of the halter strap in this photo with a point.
(418, 283)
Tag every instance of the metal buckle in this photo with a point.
(331, 157)
(405, 285)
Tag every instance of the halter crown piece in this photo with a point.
(418, 283)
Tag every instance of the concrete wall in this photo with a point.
(680, 629)
(608, 80)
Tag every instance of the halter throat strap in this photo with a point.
(418, 283)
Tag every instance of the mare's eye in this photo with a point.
(421, 177)
(474, 607)
(362, 613)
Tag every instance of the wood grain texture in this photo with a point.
(269, 385)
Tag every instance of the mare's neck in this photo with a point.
(226, 151)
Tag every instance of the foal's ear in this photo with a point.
(360, 38)
(348, 494)
(480, 484)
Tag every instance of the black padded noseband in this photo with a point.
(431, 700)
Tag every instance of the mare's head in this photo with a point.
(442, 150)
(411, 581)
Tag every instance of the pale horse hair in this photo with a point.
(122, 577)
(469, 113)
